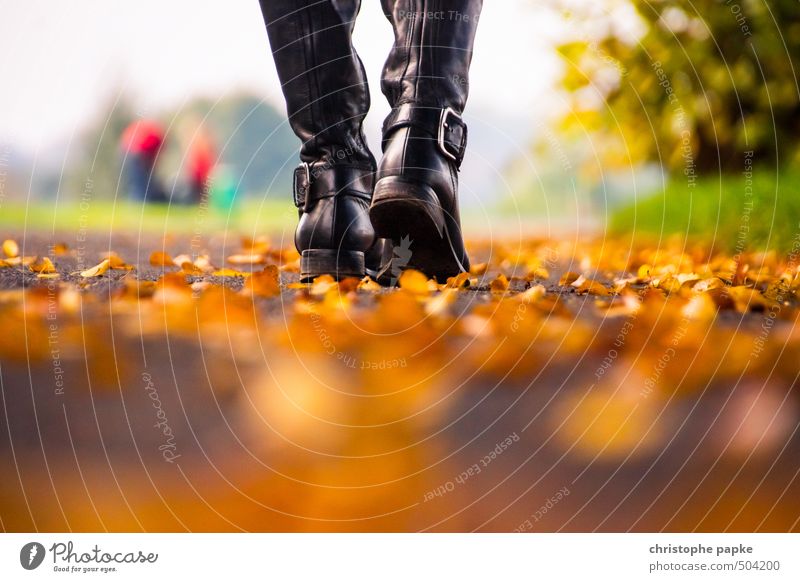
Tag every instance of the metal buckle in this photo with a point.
(446, 113)
(297, 201)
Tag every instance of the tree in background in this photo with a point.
(699, 84)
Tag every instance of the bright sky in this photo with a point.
(61, 61)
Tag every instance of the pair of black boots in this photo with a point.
(357, 217)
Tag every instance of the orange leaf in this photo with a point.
(568, 278)
(264, 283)
(414, 282)
(42, 265)
(161, 259)
(500, 284)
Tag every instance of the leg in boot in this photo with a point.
(424, 138)
(327, 98)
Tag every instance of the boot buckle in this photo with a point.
(302, 182)
(452, 151)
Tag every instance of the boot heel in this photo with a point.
(398, 203)
(338, 263)
(409, 213)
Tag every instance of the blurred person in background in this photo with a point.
(141, 143)
(201, 159)
(349, 206)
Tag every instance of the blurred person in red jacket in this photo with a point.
(201, 159)
(141, 143)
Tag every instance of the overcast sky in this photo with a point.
(60, 61)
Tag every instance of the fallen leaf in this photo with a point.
(479, 269)
(533, 295)
(322, 284)
(60, 249)
(42, 265)
(225, 272)
(499, 284)
(590, 286)
(252, 259)
(189, 268)
(116, 262)
(161, 259)
(97, 270)
(568, 278)
(264, 283)
(11, 248)
(414, 282)
(203, 262)
(368, 285)
(460, 281)
(349, 284)
(181, 259)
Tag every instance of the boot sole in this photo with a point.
(337, 263)
(403, 208)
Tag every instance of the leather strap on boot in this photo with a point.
(446, 125)
(318, 180)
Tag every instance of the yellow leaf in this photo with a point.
(11, 248)
(252, 259)
(367, 284)
(97, 270)
(42, 265)
(668, 283)
(229, 273)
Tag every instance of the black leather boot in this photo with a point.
(327, 98)
(334, 234)
(424, 137)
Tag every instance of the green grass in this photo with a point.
(719, 212)
(250, 217)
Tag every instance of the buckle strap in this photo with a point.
(446, 125)
(317, 180)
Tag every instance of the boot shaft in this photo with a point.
(429, 61)
(322, 78)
